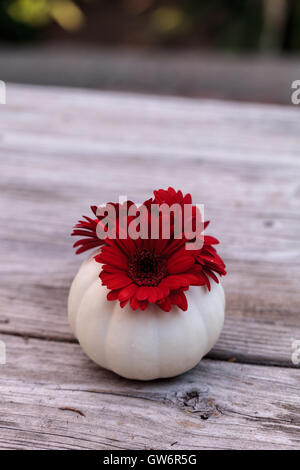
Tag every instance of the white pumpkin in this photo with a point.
(143, 345)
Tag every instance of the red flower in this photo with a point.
(207, 256)
(88, 228)
(158, 271)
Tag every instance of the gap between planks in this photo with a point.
(212, 355)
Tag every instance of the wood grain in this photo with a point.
(60, 151)
(216, 405)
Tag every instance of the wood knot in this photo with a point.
(196, 401)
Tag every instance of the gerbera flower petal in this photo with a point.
(127, 292)
(165, 304)
(175, 281)
(114, 281)
(86, 244)
(113, 258)
(134, 303)
(179, 299)
(212, 275)
(210, 240)
(179, 263)
(145, 271)
(142, 293)
(113, 295)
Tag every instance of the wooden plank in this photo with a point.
(62, 149)
(217, 405)
(116, 123)
(188, 73)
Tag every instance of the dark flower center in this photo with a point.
(146, 268)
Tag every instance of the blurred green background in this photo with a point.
(246, 50)
(230, 25)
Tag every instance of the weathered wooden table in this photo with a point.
(62, 150)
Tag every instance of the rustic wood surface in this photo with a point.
(60, 151)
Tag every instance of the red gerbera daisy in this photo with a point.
(141, 271)
(88, 228)
(207, 256)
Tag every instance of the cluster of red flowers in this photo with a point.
(142, 271)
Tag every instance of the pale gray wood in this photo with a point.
(217, 405)
(264, 78)
(60, 151)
